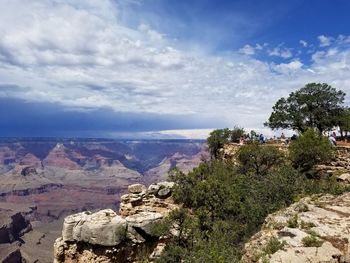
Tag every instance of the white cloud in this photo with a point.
(247, 50)
(251, 50)
(303, 43)
(324, 40)
(281, 52)
(289, 67)
(78, 54)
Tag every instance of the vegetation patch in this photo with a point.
(293, 221)
(302, 208)
(273, 246)
(306, 225)
(312, 241)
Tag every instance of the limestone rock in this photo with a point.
(168, 185)
(324, 219)
(107, 237)
(153, 188)
(136, 188)
(70, 222)
(140, 225)
(157, 198)
(104, 228)
(164, 192)
(344, 178)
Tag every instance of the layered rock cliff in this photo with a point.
(315, 229)
(106, 236)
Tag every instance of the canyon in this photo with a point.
(44, 180)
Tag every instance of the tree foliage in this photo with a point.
(258, 159)
(344, 121)
(309, 149)
(236, 134)
(316, 105)
(216, 140)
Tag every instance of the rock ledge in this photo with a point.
(106, 236)
(315, 229)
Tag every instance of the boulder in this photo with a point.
(71, 222)
(140, 225)
(136, 188)
(169, 185)
(165, 189)
(153, 188)
(104, 228)
(164, 192)
(345, 177)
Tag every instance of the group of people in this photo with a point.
(332, 138)
(253, 137)
(262, 139)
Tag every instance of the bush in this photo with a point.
(258, 159)
(293, 222)
(236, 134)
(310, 149)
(273, 246)
(312, 241)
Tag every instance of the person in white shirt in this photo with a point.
(332, 140)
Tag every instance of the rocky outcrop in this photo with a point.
(13, 226)
(339, 167)
(105, 236)
(315, 229)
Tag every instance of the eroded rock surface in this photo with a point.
(13, 226)
(105, 236)
(315, 229)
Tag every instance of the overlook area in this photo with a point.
(174, 131)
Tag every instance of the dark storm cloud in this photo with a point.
(20, 118)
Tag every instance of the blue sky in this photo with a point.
(162, 68)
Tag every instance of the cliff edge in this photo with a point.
(106, 236)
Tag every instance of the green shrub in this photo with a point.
(273, 246)
(258, 159)
(307, 225)
(293, 222)
(312, 241)
(302, 208)
(310, 149)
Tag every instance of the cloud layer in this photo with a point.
(81, 56)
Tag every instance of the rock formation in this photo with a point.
(315, 229)
(105, 236)
(13, 225)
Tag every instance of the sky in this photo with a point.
(162, 68)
